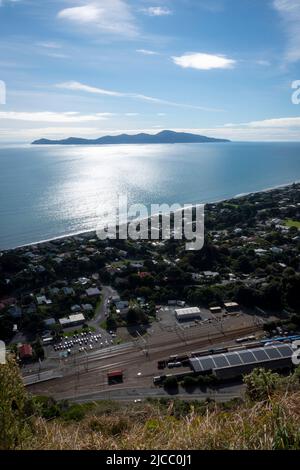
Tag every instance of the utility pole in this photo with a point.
(40, 366)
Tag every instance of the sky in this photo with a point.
(87, 68)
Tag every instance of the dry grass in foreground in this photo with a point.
(273, 424)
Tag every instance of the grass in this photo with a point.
(272, 424)
(231, 204)
(292, 223)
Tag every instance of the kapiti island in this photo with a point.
(163, 137)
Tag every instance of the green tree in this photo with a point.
(14, 424)
(261, 383)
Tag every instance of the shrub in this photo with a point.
(14, 423)
(261, 383)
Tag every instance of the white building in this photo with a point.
(188, 313)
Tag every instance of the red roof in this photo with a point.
(144, 274)
(25, 351)
(115, 373)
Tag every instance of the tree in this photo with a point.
(261, 383)
(136, 315)
(14, 424)
(171, 382)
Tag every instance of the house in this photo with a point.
(40, 269)
(123, 253)
(68, 290)
(83, 280)
(15, 311)
(54, 291)
(42, 300)
(25, 351)
(260, 251)
(49, 322)
(143, 274)
(75, 308)
(276, 250)
(136, 265)
(92, 292)
(87, 307)
(122, 307)
(196, 276)
(210, 274)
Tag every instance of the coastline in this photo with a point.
(86, 233)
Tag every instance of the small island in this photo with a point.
(163, 137)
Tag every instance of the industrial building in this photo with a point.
(236, 363)
(231, 307)
(188, 313)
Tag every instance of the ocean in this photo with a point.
(52, 191)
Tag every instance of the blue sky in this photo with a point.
(90, 67)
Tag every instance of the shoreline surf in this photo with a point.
(85, 233)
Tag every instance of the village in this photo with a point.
(79, 295)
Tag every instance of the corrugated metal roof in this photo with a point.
(238, 358)
(187, 311)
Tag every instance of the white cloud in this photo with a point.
(276, 123)
(201, 61)
(264, 63)
(49, 45)
(109, 17)
(147, 52)
(157, 11)
(277, 129)
(29, 134)
(77, 86)
(48, 116)
(289, 11)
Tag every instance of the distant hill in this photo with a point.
(163, 137)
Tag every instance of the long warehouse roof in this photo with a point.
(241, 357)
(187, 310)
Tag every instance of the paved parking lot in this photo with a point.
(81, 342)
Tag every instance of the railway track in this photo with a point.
(89, 378)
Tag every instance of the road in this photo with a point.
(130, 394)
(99, 316)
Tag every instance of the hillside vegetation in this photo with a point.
(268, 418)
